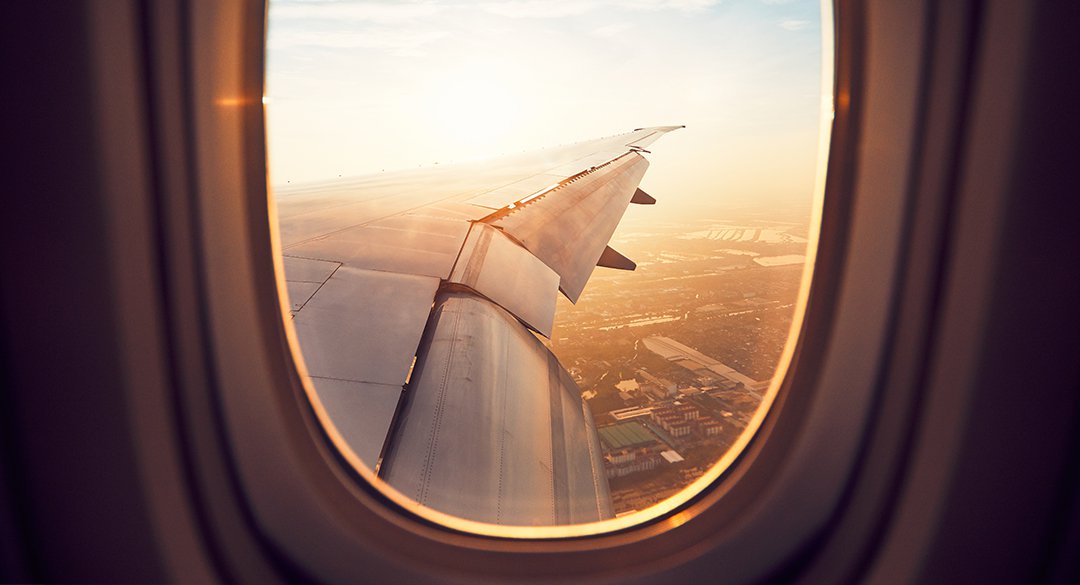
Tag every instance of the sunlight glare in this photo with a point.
(475, 111)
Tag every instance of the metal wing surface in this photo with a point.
(413, 295)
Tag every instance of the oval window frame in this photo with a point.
(288, 478)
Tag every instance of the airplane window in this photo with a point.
(545, 261)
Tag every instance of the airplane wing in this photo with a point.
(415, 296)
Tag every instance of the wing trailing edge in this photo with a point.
(569, 226)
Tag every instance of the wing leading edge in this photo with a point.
(453, 271)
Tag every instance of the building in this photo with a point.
(699, 363)
(630, 447)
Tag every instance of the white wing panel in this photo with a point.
(300, 293)
(308, 270)
(364, 325)
(516, 191)
(361, 413)
(588, 162)
(408, 244)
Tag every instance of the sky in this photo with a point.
(358, 87)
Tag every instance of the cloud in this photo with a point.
(538, 8)
(680, 5)
(394, 41)
(776, 2)
(792, 24)
(393, 12)
(563, 8)
(611, 30)
(371, 12)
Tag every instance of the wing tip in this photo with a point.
(659, 128)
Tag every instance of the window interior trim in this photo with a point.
(301, 506)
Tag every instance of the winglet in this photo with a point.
(612, 259)
(642, 198)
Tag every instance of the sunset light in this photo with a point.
(365, 87)
(597, 326)
(472, 107)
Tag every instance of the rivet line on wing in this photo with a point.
(518, 205)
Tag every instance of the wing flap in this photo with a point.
(569, 227)
(501, 440)
(501, 270)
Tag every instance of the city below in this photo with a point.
(673, 358)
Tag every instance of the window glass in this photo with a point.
(413, 147)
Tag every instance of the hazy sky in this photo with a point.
(355, 87)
